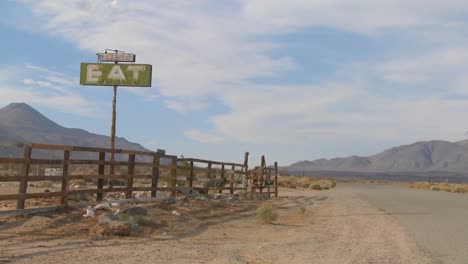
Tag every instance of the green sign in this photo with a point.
(107, 74)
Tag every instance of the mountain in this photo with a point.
(20, 122)
(419, 157)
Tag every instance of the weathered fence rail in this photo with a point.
(138, 171)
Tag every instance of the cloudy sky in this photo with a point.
(291, 79)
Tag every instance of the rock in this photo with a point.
(169, 200)
(176, 213)
(134, 211)
(103, 206)
(117, 228)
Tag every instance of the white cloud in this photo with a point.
(203, 51)
(42, 86)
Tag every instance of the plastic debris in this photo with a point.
(176, 213)
(115, 204)
(89, 212)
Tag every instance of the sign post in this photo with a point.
(114, 74)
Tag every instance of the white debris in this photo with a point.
(176, 213)
(89, 212)
(115, 204)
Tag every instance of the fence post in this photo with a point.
(191, 177)
(24, 179)
(155, 175)
(65, 187)
(262, 175)
(231, 180)
(268, 181)
(221, 186)
(276, 179)
(100, 181)
(174, 176)
(245, 178)
(208, 176)
(131, 173)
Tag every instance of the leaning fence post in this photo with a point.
(24, 179)
(131, 173)
(65, 187)
(245, 179)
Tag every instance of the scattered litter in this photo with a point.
(176, 213)
(115, 204)
(89, 212)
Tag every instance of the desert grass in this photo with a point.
(266, 214)
(446, 187)
(305, 182)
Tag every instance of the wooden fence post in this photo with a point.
(269, 181)
(155, 175)
(276, 179)
(191, 177)
(262, 175)
(221, 185)
(131, 173)
(174, 176)
(231, 180)
(245, 178)
(24, 179)
(208, 175)
(65, 187)
(100, 181)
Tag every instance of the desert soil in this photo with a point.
(336, 227)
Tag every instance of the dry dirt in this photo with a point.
(337, 227)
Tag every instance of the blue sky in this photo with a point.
(291, 79)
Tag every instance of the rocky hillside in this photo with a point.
(426, 156)
(20, 122)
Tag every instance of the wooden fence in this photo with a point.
(147, 169)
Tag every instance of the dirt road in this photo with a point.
(335, 226)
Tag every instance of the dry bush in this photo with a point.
(306, 182)
(447, 187)
(266, 214)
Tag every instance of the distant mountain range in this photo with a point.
(417, 158)
(20, 122)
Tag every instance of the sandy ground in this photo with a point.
(337, 227)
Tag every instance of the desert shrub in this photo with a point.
(316, 187)
(459, 189)
(266, 214)
(435, 188)
(326, 187)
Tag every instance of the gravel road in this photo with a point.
(438, 221)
